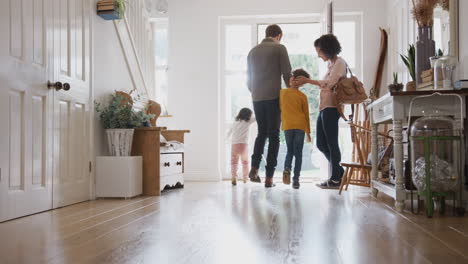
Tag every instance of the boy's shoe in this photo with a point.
(287, 176)
(253, 175)
(234, 181)
(296, 184)
(329, 184)
(269, 182)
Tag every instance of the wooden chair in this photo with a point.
(358, 171)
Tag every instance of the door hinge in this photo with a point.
(90, 166)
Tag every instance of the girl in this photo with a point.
(328, 47)
(239, 134)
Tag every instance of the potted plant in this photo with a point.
(111, 9)
(119, 119)
(410, 62)
(395, 86)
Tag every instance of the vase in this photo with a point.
(425, 48)
(119, 141)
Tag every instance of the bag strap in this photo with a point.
(348, 69)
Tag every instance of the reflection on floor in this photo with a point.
(217, 223)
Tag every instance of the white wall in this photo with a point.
(194, 90)
(463, 44)
(110, 73)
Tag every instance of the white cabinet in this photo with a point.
(171, 168)
(119, 176)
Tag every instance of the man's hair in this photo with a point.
(300, 72)
(329, 45)
(273, 31)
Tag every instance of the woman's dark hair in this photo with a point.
(300, 72)
(244, 115)
(329, 45)
(273, 31)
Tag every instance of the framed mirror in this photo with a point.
(445, 27)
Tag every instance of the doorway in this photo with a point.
(239, 35)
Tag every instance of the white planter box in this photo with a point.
(119, 176)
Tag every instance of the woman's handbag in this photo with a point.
(349, 90)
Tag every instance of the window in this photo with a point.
(161, 51)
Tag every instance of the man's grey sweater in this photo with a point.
(266, 63)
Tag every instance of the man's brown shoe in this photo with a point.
(269, 182)
(253, 175)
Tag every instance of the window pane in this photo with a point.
(161, 45)
(238, 44)
(346, 33)
(162, 88)
(237, 94)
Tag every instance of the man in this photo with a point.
(266, 63)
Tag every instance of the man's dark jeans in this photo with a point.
(295, 143)
(327, 140)
(268, 115)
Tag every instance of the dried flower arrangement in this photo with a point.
(445, 4)
(423, 11)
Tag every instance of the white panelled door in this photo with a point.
(71, 139)
(44, 134)
(25, 108)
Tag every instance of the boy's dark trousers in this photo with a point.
(268, 115)
(295, 144)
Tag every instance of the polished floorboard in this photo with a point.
(218, 223)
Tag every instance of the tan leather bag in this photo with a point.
(349, 90)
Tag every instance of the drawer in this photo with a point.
(383, 112)
(171, 164)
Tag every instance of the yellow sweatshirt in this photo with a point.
(294, 110)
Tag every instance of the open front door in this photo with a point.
(25, 108)
(72, 46)
(327, 18)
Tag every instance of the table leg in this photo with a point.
(375, 156)
(398, 155)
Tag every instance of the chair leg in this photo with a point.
(351, 175)
(345, 178)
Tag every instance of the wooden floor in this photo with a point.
(217, 223)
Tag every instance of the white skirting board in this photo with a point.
(119, 176)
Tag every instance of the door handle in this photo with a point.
(58, 86)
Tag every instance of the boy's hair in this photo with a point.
(300, 72)
(273, 31)
(244, 115)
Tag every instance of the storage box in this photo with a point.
(119, 176)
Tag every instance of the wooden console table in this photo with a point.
(393, 109)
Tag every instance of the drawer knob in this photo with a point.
(167, 164)
(179, 163)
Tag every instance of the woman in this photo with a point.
(328, 47)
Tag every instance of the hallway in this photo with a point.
(216, 223)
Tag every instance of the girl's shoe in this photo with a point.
(244, 179)
(234, 181)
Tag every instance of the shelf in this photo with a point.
(387, 188)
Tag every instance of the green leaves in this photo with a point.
(410, 61)
(120, 115)
(395, 78)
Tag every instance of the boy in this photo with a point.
(296, 125)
